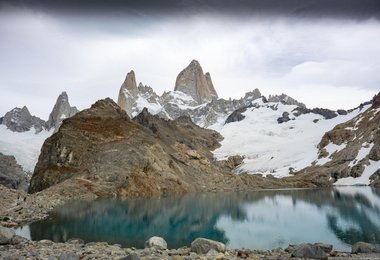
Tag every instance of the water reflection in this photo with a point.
(265, 219)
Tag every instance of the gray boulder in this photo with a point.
(132, 256)
(156, 242)
(284, 118)
(315, 251)
(6, 235)
(362, 247)
(68, 256)
(203, 245)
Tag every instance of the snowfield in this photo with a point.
(25, 146)
(272, 148)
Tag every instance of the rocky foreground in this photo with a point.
(15, 247)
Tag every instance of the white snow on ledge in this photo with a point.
(362, 180)
(25, 146)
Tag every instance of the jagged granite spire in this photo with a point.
(193, 82)
(61, 111)
(128, 93)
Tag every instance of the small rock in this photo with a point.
(45, 242)
(132, 256)
(203, 245)
(156, 242)
(362, 247)
(325, 247)
(6, 235)
(68, 256)
(310, 251)
(75, 241)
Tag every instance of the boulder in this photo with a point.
(362, 247)
(203, 246)
(68, 256)
(315, 251)
(284, 118)
(132, 256)
(6, 235)
(236, 116)
(156, 242)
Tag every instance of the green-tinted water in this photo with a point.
(262, 220)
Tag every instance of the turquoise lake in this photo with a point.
(258, 220)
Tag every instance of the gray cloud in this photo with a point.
(362, 9)
(323, 62)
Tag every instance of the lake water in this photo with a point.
(257, 220)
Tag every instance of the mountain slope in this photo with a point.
(274, 138)
(350, 152)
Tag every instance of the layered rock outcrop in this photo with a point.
(61, 111)
(20, 120)
(194, 83)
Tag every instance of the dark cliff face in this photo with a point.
(11, 174)
(106, 153)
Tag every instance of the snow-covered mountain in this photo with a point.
(277, 135)
(22, 135)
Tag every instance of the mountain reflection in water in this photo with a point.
(264, 219)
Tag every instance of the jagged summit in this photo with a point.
(20, 120)
(128, 93)
(61, 111)
(194, 83)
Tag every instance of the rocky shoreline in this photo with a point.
(16, 247)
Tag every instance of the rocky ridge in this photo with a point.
(194, 95)
(350, 152)
(102, 152)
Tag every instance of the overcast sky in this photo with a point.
(324, 53)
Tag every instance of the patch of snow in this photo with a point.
(63, 116)
(153, 108)
(24, 146)
(179, 95)
(333, 148)
(272, 148)
(363, 152)
(363, 179)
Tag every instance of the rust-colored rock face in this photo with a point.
(106, 153)
(193, 82)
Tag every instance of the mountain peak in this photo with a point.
(61, 111)
(20, 120)
(194, 83)
(128, 92)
